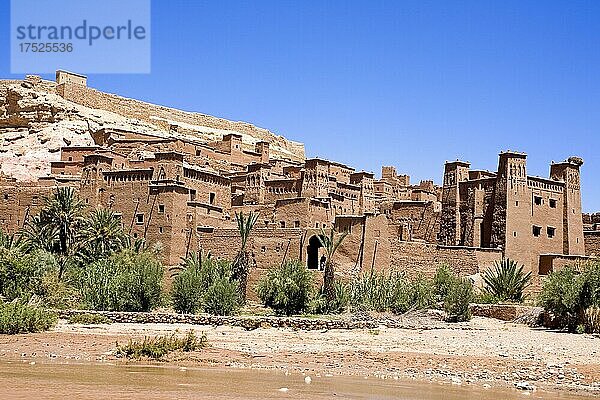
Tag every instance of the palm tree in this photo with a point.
(330, 243)
(507, 281)
(101, 235)
(241, 263)
(40, 236)
(63, 212)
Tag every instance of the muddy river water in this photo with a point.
(24, 380)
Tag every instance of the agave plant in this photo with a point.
(506, 281)
(330, 243)
(241, 263)
(11, 242)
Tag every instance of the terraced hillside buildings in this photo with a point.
(178, 178)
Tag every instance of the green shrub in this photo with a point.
(458, 298)
(376, 291)
(320, 305)
(391, 292)
(222, 297)
(21, 274)
(287, 289)
(160, 346)
(205, 284)
(422, 293)
(486, 298)
(57, 293)
(568, 293)
(89, 319)
(443, 281)
(126, 281)
(17, 317)
(506, 281)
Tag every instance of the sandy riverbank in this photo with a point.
(483, 352)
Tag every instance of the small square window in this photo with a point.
(139, 219)
(550, 231)
(537, 200)
(537, 231)
(296, 224)
(552, 203)
(282, 224)
(161, 208)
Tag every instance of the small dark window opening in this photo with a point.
(550, 231)
(192, 195)
(139, 218)
(282, 224)
(161, 208)
(552, 203)
(5, 196)
(160, 229)
(537, 200)
(517, 203)
(515, 234)
(211, 198)
(198, 152)
(70, 158)
(296, 224)
(537, 231)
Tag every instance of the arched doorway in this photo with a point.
(313, 253)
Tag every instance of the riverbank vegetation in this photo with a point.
(158, 347)
(68, 256)
(572, 295)
(17, 317)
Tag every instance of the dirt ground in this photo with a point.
(483, 352)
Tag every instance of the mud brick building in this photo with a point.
(178, 178)
(534, 220)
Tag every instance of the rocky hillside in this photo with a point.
(35, 122)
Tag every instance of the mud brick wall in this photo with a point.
(592, 243)
(416, 258)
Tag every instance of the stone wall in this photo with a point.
(244, 322)
(153, 114)
(422, 258)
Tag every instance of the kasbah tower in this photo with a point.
(536, 221)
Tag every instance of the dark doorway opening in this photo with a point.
(312, 259)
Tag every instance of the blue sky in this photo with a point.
(404, 83)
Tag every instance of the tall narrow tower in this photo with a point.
(568, 172)
(450, 229)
